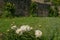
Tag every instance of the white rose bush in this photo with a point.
(24, 32)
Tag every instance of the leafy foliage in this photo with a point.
(9, 10)
(56, 2)
(33, 9)
(53, 12)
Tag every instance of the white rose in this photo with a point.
(38, 33)
(25, 28)
(19, 31)
(14, 27)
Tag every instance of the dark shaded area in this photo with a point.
(23, 6)
(1, 6)
(42, 9)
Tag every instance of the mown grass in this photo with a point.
(50, 26)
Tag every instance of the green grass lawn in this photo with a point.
(50, 26)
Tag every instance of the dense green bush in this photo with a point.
(8, 10)
(33, 7)
(53, 13)
(11, 35)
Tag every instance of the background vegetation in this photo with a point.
(9, 9)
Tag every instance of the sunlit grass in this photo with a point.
(50, 26)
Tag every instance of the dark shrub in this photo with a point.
(9, 10)
(53, 13)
